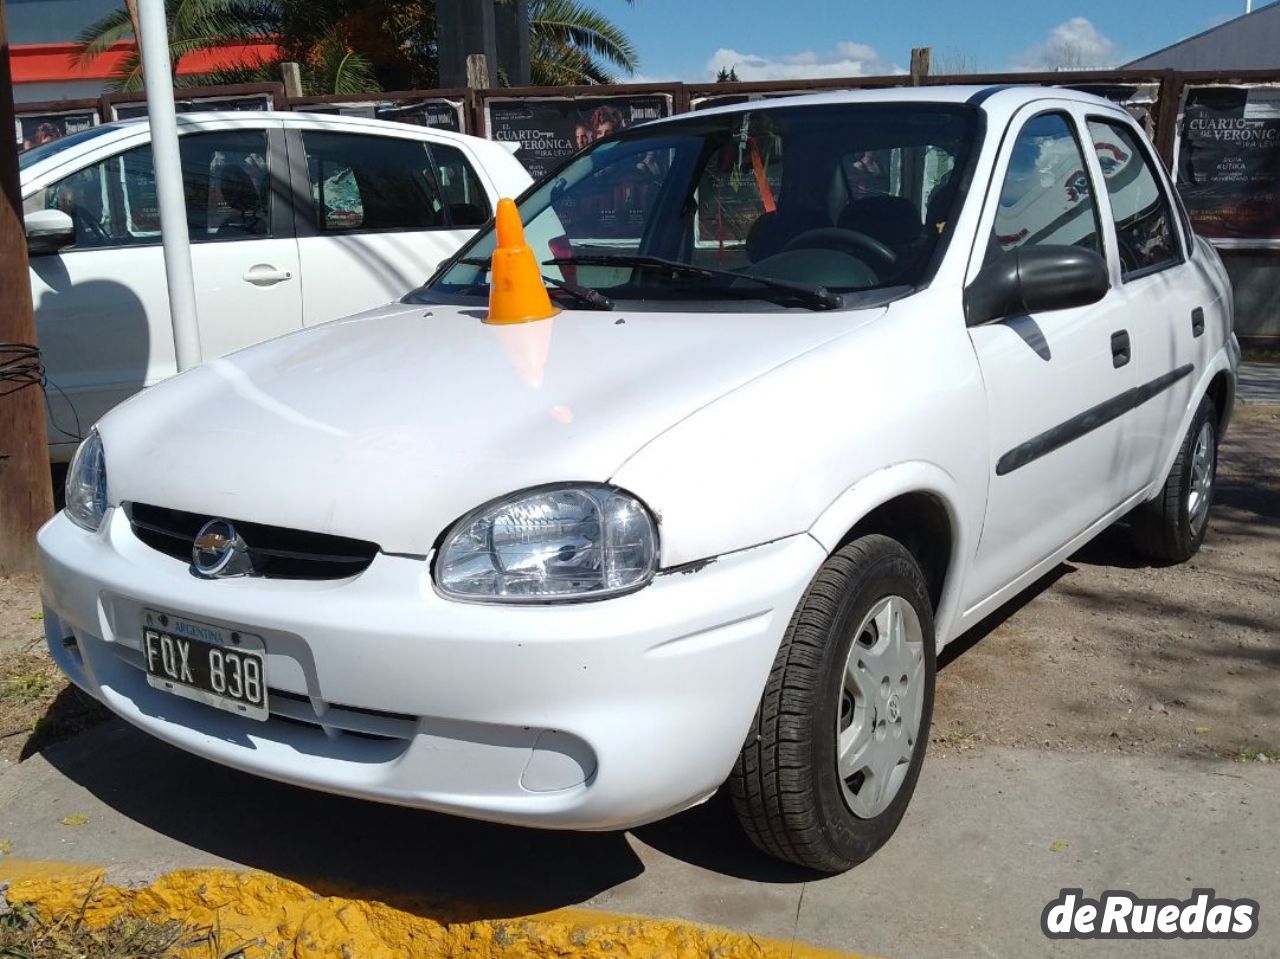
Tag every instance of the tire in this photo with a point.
(1171, 527)
(787, 791)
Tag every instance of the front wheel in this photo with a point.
(1171, 527)
(839, 737)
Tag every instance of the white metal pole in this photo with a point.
(158, 78)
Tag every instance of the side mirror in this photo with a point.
(1035, 280)
(48, 231)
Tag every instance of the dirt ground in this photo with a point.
(1110, 653)
(1105, 654)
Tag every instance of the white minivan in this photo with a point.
(295, 219)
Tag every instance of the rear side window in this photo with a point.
(370, 183)
(1047, 197)
(460, 186)
(1144, 219)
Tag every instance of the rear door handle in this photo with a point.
(1119, 348)
(264, 274)
(1197, 321)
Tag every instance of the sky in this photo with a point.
(782, 39)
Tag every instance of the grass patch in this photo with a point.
(38, 706)
(1257, 756)
(960, 736)
(23, 935)
(21, 687)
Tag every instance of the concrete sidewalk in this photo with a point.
(1259, 383)
(992, 836)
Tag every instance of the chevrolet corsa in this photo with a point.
(687, 484)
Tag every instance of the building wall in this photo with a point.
(1249, 42)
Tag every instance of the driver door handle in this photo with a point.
(264, 274)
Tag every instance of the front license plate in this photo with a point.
(219, 667)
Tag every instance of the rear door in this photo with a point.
(1058, 465)
(376, 213)
(101, 304)
(1168, 303)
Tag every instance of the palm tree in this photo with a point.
(570, 43)
(194, 25)
(358, 46)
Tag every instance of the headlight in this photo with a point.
(87, 484)
(558, 543)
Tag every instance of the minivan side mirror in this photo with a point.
(1035, 280)
(48, 231)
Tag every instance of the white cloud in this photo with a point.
(1074, 45)
(847, 59)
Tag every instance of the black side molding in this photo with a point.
(983, 95)
(1088, 421)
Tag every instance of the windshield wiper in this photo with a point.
(814, 297)
(591, 299)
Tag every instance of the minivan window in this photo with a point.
(362, 183)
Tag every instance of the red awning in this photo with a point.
(46, 62)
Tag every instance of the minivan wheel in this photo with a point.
(1171, 527)
(839, 736)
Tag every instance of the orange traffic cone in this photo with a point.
(516, 291)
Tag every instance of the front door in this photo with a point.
(102, 305)
(1057, 463)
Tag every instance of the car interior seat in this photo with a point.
(238, 192)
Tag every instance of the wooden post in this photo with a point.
(921, 61)
(291, 74)
(26, 494)
(921, 58)
(477, 71)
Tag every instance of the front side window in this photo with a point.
(1144, 221)
(224, 180)
(844, 198)
(463, 193)
(1047, 195)
(362, 183)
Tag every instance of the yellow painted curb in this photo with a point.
(273, 917)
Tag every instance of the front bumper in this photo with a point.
(597, 715)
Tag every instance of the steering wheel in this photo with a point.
(827, 236)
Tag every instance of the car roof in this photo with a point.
(197, 117)
(994, 98)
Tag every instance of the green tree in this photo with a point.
(727, 76)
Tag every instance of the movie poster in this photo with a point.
(442, 114)
(34, 129)
(1228, 162)
(549, 129)
(255, 101)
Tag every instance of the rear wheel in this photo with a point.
(1171, 527)
(840, 733)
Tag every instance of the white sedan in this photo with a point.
(831, 379)
(294, 219)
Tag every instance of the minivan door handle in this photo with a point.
(1119, 348)
(1197, 321)
(264, 274)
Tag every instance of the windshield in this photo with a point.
(47, 149)
(765, 204)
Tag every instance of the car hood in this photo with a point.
(389, 425)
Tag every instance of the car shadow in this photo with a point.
(448, 868)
